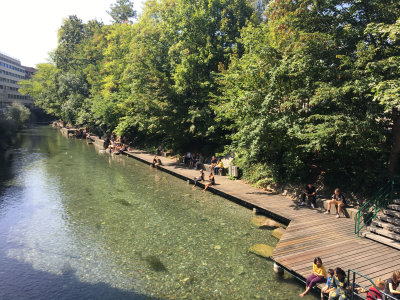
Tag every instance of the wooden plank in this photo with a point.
(363, 263)
(353, 253)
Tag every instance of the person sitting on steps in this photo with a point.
(337, 199)
(218, 166)
(311, 194)
(213, 163)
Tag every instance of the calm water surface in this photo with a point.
(75, 224)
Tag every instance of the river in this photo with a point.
(76, 224)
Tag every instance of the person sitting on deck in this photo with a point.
(318, 275)
(392, 284)
(311, 194)
(211, 181)
(213, 163)
(199, 162)
(337, 199)
(338, 286)
(219, 166)
(200, 178)
(325, 289)
(156, 162)
(375, 293)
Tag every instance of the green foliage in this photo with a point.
(122, 11)
(42, 87)
(298, 90)
(12, 118)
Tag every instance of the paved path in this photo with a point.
(310, 233)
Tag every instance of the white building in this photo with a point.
(11, 71)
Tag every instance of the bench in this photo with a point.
(346, 211)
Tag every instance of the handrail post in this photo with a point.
(382, 198)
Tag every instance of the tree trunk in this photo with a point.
(395, 150)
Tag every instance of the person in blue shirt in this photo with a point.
(325, 289)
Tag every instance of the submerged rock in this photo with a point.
(278, 232)
(123, 202)
(262, 250)
(263, 221)
(155, 263)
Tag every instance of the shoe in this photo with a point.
(327, 212)
(337, 216)
(302, 204)
(312, 205)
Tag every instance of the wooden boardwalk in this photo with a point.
(310, 233)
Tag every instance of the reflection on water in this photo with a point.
(76, 225)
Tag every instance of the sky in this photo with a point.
(28, 28)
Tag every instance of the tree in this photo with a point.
(122, 11)
(70, 35)
(43, 88)
(381, 61)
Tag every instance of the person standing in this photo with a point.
(160, 150)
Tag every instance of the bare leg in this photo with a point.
(329, 204)
(305, 292)
(339, 207)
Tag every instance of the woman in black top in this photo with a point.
(211, 181)
(392, 284)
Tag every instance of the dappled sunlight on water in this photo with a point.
(92, 221)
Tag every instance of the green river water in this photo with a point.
(76, 224)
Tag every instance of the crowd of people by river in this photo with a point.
(336, 284)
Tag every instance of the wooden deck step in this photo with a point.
(389, 219)
(385, 233)
(395, 207)
(386, 226)
(396, 201)
(381, 239)
(390, 212)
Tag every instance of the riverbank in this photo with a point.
(309, 233)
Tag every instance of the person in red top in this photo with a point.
(374, 293)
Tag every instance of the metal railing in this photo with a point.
(357, 291)
(380, 200)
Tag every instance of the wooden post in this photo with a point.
(277, 269)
